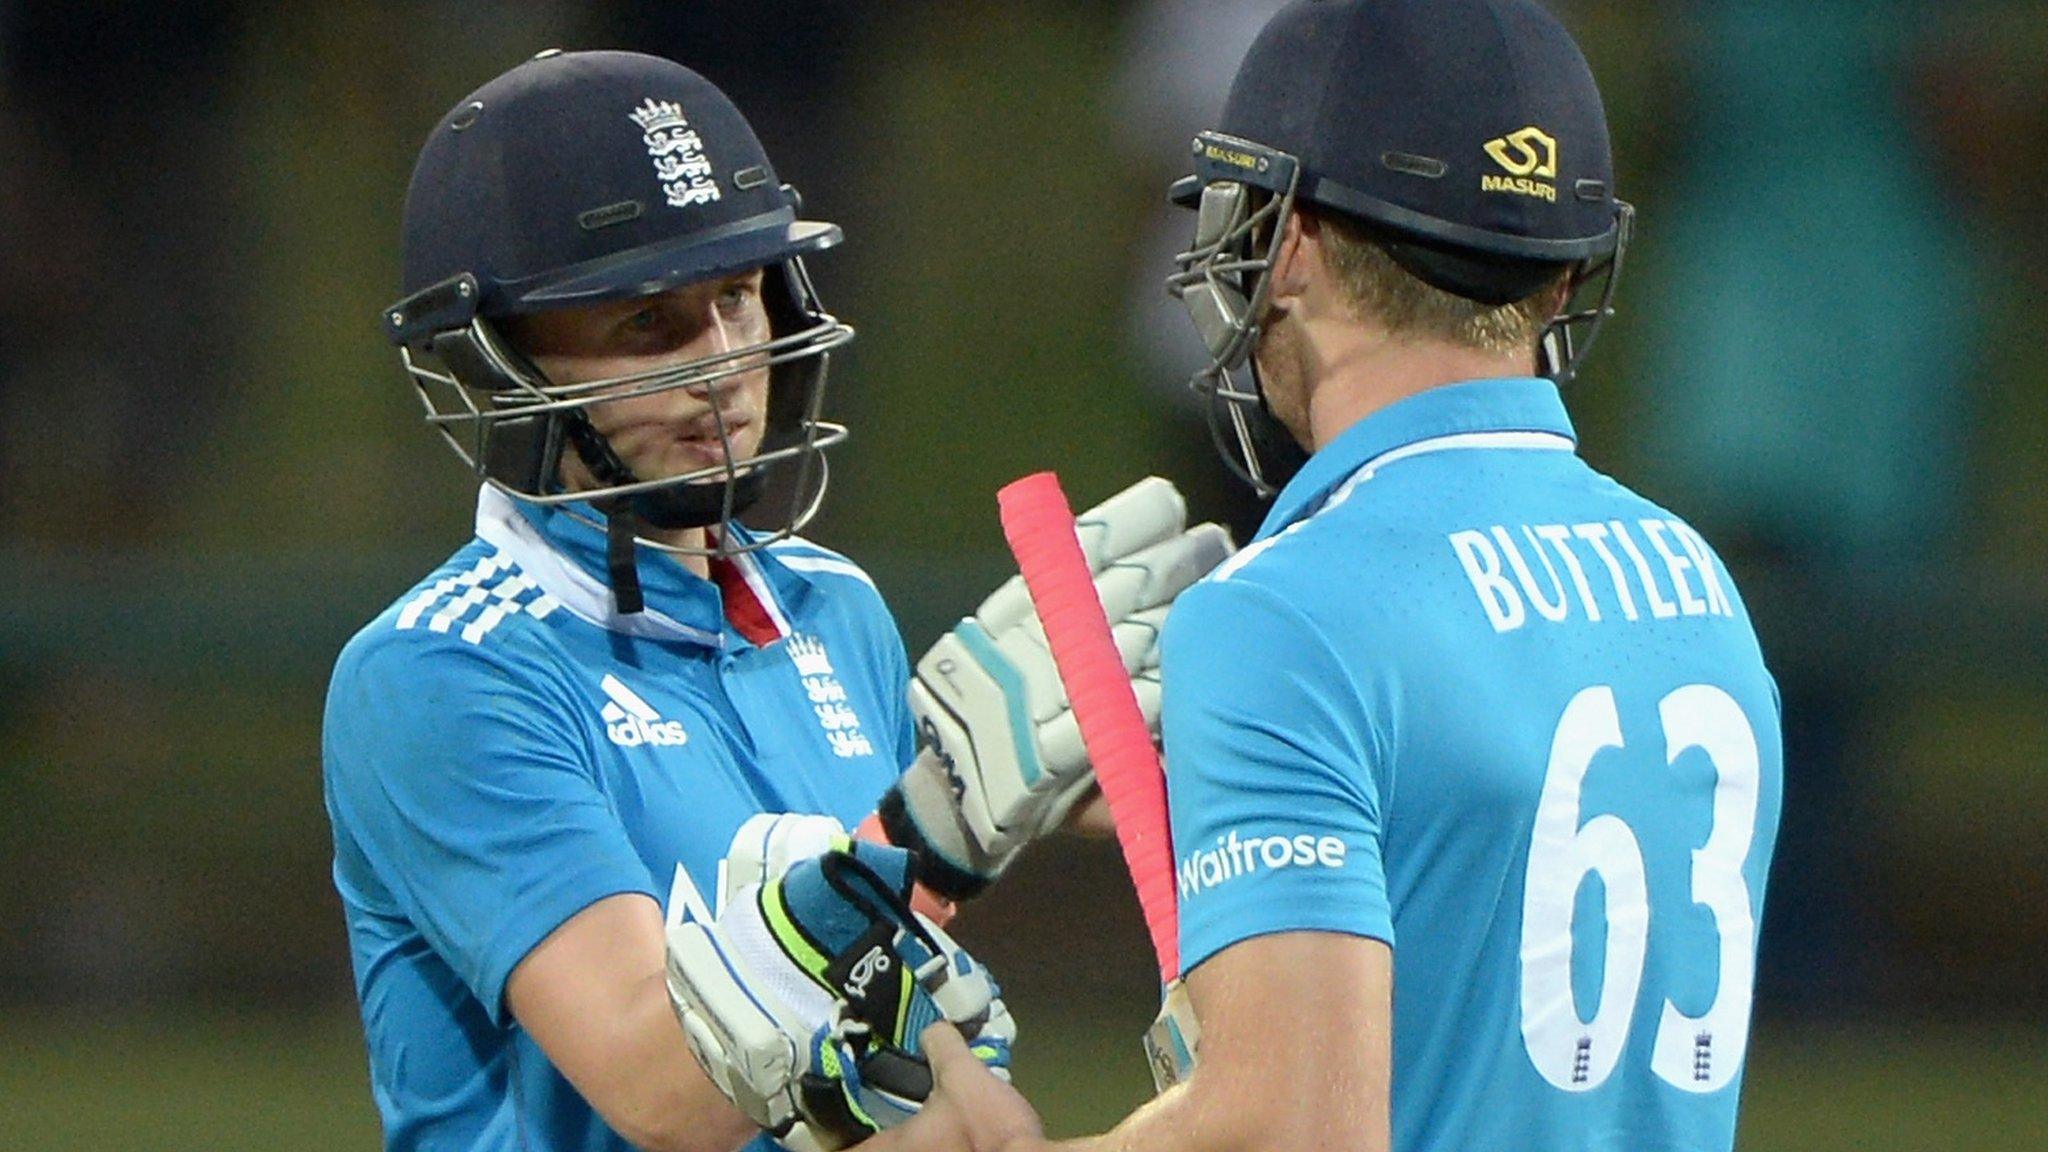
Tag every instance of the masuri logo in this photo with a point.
(1529, 157)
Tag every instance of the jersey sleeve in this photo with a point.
(1271, 775)
(891, 663)
(901, 726)
(459, 780)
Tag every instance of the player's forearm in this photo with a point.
(1287, 1062)
(1207, 1115)
(594, 997)
(655, 1094)
(1202, 1115)
(1171, 1120)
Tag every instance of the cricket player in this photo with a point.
(1474, 764)
(618, 693)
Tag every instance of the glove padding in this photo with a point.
(805, 999)
(1002, 761)
(769, 844)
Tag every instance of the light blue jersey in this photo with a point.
(1468, 696)
(502, 750)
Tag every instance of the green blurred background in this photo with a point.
(211, 471)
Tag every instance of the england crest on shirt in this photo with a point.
(829, 703)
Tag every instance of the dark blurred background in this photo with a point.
(1829, 357)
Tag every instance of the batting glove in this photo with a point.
(769, 844)
(1002, 761)
(805, 999)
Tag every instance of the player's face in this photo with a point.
(677, 430)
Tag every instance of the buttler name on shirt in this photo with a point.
(1600, 570)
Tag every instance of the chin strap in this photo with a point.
(621, 557)
(595, 451)
(622, 560)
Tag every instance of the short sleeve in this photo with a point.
(1270, 775)
(891, 663)
(896, 680)
(459, 782)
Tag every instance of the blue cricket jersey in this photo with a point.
(502, 750)
(1468, 696)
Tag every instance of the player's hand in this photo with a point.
(1002, 761)
(968, 1110)
(802, 1000)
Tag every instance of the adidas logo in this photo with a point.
(631, 721)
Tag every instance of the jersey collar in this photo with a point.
(566, 557)
(1518, 404)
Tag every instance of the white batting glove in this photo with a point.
(1002, 761)
(769, 843)
(764, 848)
(804, 999)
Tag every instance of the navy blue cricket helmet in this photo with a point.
(1466, 136)
(582, 177)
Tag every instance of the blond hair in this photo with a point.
(1388, 293)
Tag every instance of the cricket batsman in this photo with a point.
(590, 780)
(1473, 762)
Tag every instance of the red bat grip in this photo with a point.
(1039, 525)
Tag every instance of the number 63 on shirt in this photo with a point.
(1693, 1053)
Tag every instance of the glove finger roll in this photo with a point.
(1139, 517)
(1136, 518)
(767, 843)
(1155, 576)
